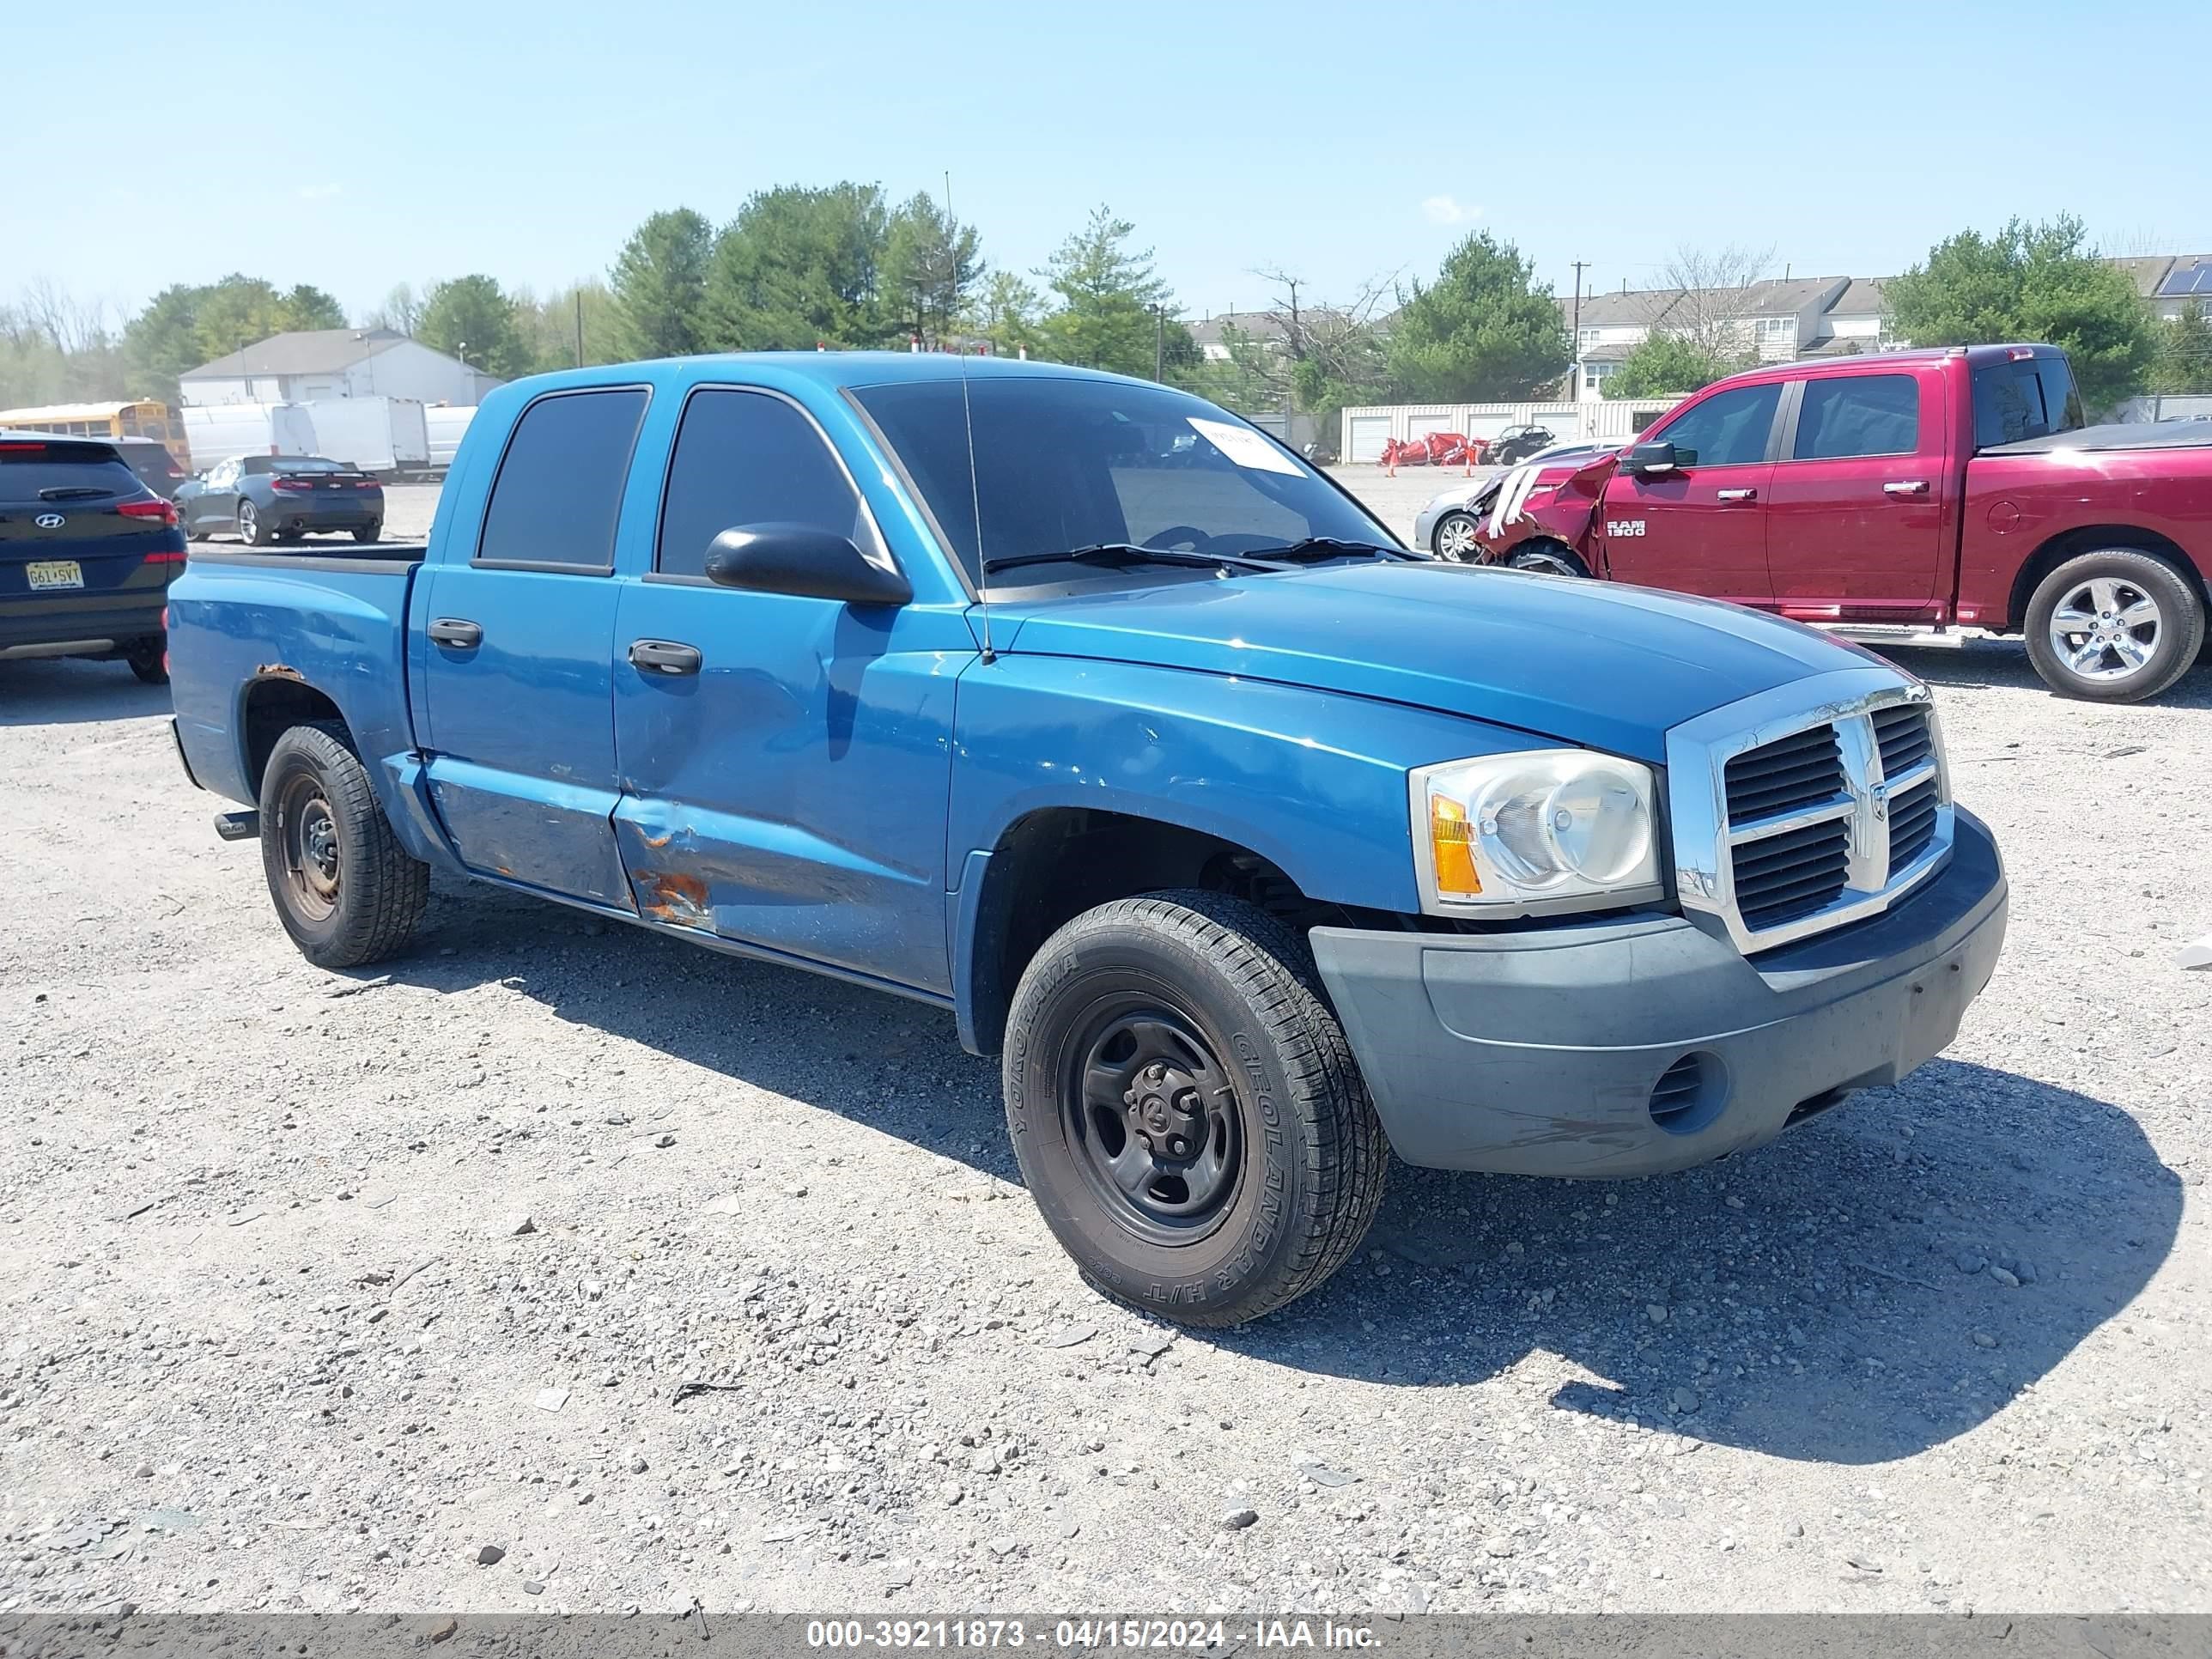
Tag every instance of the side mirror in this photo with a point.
(803, 562)
(1653, 458)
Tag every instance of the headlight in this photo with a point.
(1544, 830)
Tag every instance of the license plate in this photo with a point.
(55, 572)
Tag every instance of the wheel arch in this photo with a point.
(2056, 550)
(270, 704)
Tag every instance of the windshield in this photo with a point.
(1062, 463)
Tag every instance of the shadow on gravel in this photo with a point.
(1828, 1297)
(2005, 663)
(64, 691)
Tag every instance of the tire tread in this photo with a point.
(395, 881)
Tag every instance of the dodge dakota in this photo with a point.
(1257, 845)
(1918, 490)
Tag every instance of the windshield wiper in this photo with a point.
(1315, 548)
(1122, 555)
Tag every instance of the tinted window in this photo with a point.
(1729, 428)
(1858, 415)
(29, 470)
(2028, 397)
(560, 484)
(746, 457)
(1066, 463)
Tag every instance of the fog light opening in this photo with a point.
(1690, 1094)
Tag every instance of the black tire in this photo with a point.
(1549, 559)
(368, 532)
(1454, 537)
(194, 533)
(285, 537)
(252, 529)
(2130, 582)
(1299, 1153)
(145, 661)
(361, 899)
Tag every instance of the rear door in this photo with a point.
(1701, 528)
(518, 661)
(1860, 498)
(86, 550)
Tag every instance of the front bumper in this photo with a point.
(1537, 1051)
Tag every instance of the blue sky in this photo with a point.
(386, 144)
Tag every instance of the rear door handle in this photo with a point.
(458, 632)
(665, 656)
(1732, 496)
(1905, 487)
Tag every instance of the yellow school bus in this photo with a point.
(138, 417)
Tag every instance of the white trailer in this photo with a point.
(384, 435)
(223, 432)
(446, 422)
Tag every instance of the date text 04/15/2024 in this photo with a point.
(1163, 1635)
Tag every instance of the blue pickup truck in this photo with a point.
(1258, 846)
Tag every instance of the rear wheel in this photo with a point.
(1454, 537)
(2116, 625)
(146, 661)
(1185, 1110)
(1549, 559)
(252, 530)
(345, 889)
(368, 532)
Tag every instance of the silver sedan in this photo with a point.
(1446, 526)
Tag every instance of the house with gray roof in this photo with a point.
(313, 365)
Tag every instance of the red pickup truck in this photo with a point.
(1944, 488)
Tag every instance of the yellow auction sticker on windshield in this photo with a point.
(1243, 445)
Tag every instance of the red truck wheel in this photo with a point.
(2116, 625)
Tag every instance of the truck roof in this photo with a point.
(829, 368)
(1975, 356)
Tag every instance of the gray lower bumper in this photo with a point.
(1536, 1052)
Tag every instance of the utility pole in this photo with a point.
(1159, 342)
(579, 327)
(1581, 265)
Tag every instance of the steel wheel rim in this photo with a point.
(1152, 1120)
(2106, 629)
(313, 853)
(1456, 537)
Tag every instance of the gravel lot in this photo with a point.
(275, 1335)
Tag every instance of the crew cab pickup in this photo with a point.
(1257, 845)
(1910, 489)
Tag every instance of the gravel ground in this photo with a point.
(380, 1292)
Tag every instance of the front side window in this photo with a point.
(747, 458)
(1848, 415)
(1061, 463)
(560, 485)
(1729, 428)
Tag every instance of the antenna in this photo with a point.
(976, 501)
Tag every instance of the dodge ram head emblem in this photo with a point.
(50, 521)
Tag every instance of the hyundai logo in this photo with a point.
(50, 521)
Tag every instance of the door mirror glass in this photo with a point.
(1653, 458)
(802, 562)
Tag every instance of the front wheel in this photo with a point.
(1548, 559)
(2114, 626)
(1453, 538)
(1185, 1110)
(345, 889)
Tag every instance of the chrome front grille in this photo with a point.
(1809, 806)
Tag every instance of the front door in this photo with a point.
(785, 760)
(1860, 499)
(518, 664)
(1701, 528)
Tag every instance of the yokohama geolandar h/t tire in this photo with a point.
(345, 889)
(2114, 626)
(1185, 1109)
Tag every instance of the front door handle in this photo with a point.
(1732, 496)
(665, 656)
(456, 631)
(1901, 487)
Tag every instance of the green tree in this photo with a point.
(2033, 282)
(470, 318)
(1666, 363)
(1007, 312)
(796, 267)
(2184, 363)
(660, 285)
(930, 266)
(189, 323)
(549, 326)
(1110, 302)
(1484, 333)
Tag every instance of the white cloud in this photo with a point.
(319, 193)
(1445, 210)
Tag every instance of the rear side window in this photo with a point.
(745, 458)
(1848, 415)
(1729, 428)
(560, 484)
(35, 471)
(2026, 397)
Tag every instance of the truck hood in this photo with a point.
(1597, 663)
